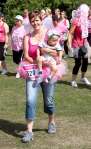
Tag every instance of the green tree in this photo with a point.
(14, 7)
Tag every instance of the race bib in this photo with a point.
(31, 71)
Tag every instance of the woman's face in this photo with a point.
(18, 22)
(57, 11)
(62, 14)
(25, 13)
(90, 12)
(1, 19)
(36, 23)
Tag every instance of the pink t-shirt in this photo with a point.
(27, 26)
(89, 24)
(2, 33)
(17, 37)
(61, 29)
(77, 40)
(47, 22)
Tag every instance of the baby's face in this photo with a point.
(53, 41)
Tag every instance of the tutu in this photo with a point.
(30, 71)
(61, 71)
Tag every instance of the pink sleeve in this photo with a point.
(74, 22)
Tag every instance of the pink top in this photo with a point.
(89, 24)
(61, 29)
(77, 40)
(32, 51)
(65, 22)
(2, 33)
(17, 36)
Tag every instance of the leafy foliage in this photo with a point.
(14, 7)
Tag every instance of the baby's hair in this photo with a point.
(53, 36)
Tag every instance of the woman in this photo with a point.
(30, 52)
(64, 21)
(17, 36)
(78, 40)
(89, 27)
(26, 23)
(4, 31)
(47, 21)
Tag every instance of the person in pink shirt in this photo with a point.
(47, 21)
(17, 36)
(89, 27)
(4, 30)
(64, 21)
(31, 44)
(26, 22)
(78, 41)
(59, 27)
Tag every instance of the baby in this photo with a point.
(45, 58)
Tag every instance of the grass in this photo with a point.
(73, 114)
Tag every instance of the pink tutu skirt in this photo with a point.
(61, 71)
(30, 71)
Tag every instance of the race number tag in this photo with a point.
(32, 70)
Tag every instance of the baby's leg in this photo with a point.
(40, 62)
(53, 67)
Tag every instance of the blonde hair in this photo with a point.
(48, 10)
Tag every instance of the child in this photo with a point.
(50, 44)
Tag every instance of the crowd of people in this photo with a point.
(43, 38)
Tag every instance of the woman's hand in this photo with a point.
(53, 52)
(58, 60)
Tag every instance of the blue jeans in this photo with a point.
(31, 99)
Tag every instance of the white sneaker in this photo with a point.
(85, 81)
(4, 72)
(17, 75)
(74, 84)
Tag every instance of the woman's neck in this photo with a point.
(35, 32)
(38, 35)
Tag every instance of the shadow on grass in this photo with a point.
(80, 85)
(11, 128)
(15, 129)
(11, 74)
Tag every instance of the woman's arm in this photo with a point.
(60, 54)
(26, 47)
(50, 51)
(6, 34)
(70, 35)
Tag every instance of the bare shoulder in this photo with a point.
(6, 27)
(26, 37)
